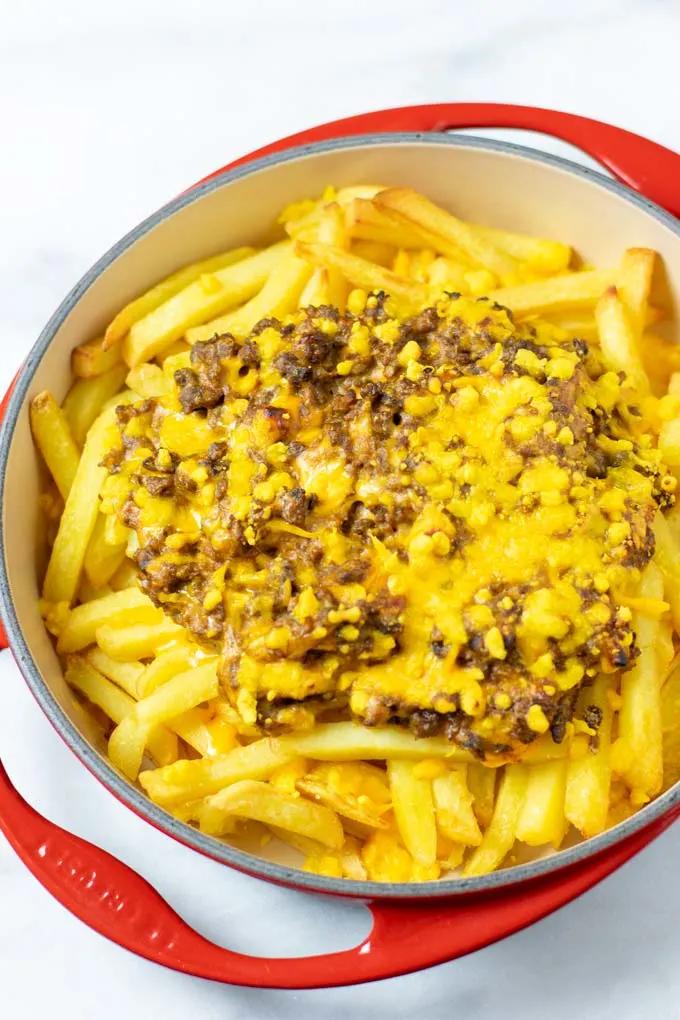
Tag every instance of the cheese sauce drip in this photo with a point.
(436, 521)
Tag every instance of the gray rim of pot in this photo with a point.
(98, 765)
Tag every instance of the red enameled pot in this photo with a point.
(415, 925)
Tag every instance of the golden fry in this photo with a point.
(368, 221)
(261, 802)
(481, 782)
(453, 805)
(499, 838)
(617, 339)
(278, 297)
(361, 273)
(349, 741)
(94, 358)
(355, 790)
(208, 296)
(634, 285)
(317, 290)
(589, 776)
(87, 398)
(120, 608)
(162, 745)
(137, 641)
(667, 558)
(640, 713)
(413, 806)
(557, 293)
(102, 559)
(538, 253)
(80, 514)
(179, 695)
(426, 214)
(166, 665)
(149, 381)
(542, 819)
(125, 674)
(54, 440)
(192, 780)
(166, 289)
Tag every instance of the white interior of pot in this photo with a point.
(503, 189)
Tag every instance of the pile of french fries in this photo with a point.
(355, 802)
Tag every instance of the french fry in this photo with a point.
(453, 807)
(207, 734)
(660, 357)
(136, 641)
(119, 608)
(586, 800)
(93, 359)
(179, 347)
(413, 806)
(126, 576)
(367, 221)
(481, 781)
(556, 293)
(54, 440)
(278, 297)
(361, 273)
(316, 291)
(303, 844)
(192, 780)
(125, 674)
(166, 665)
(80, 514)
(582, 324)
(297, 220)
(179, 695)
(634, 285)
(538, 253)
(331, 230)
(227, 712)
(378, 252)
(385, 859)
(665, 649)
(208, 296)
(640, 713)
(88, 593)
(542, 819)
(358, 791)
(667, 558)
(87, 398)
(149, 380)
(577, 324)
(349, 741)
(166, 289)
(162, 745)
(545, 749)
(102, 559)
(617, 339)
(670, 727)
(425, 213)
(261, 802)
(498, 839)
(350, 858)
(447, 275)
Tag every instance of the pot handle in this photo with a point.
(111, 898)
(643, 165)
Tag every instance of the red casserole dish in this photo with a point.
(415, 925)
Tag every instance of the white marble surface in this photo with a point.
(106, 110)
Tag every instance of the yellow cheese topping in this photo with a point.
(438, 521)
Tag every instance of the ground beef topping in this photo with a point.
(436, 521)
